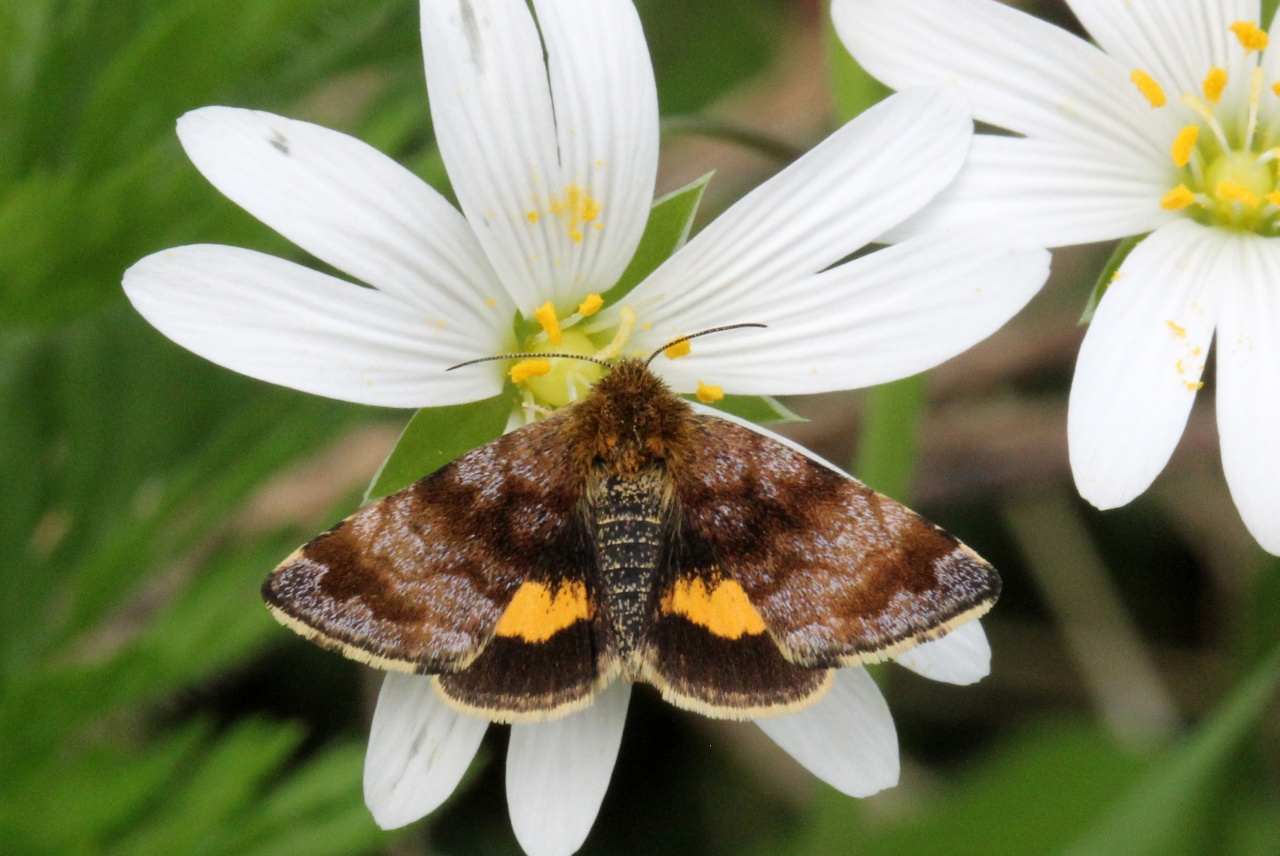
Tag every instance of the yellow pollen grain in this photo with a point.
(533, 216)
(1214, 84)
(1251, 36)
(709, 393)
(526, 369)
(678, 350)
(1184, 144)
(723, 608)
(1233, 192)
(535, 614)
(1178, 198)
(575, 235)
(590, 306)
(1179, 332)
(546, 316)
(1148, 87)
(491, 303)
(1193, 385)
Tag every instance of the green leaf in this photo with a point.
(1108, 276)
(760, 409)
(1171, 805)
(1268, 12)
(434, 437)
(670, 221)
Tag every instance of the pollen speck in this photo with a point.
(1251, 36)
(533, 216)
(546, 316)
(1184, 144)
(709, 393)
(491, 303)
(526, 369)
(1214, 83)
(590, 306)
(1233, 192)
(1193, 385)
(1178, 198)
(1148, 87)
(678, 350)
(1179, 332)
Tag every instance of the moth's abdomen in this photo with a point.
(625, 513)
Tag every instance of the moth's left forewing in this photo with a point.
(839, 573)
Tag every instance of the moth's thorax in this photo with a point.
(630, 421)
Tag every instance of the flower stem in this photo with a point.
(890, 437)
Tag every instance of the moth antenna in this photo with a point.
(673, 342)
(529, 357)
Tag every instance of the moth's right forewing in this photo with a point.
(839, 573)
(417, 581)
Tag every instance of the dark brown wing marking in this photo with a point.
(839, 573)
(707, 649)
(417, 581)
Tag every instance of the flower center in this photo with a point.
(1225, 159)
(554, 382)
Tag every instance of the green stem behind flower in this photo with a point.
(889, 441)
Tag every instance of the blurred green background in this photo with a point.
(149, 705)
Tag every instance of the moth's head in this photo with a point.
(631, 418)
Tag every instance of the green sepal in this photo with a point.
(1268, 13)
(760, 409)
(434, 437)
(1109, 271)
(670, 221)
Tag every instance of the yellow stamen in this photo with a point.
(1179, 332)
(1214, 83)
(1275, 87)
(1233, 192)
(546, 316)
(1148, 87)
(1184, 144)
(1178, 198)
(1274, 197)
(678, 350)
(626, 323)
(1203, 111)
(590, 306)
(1252, 37)
(709, 393)
(1255, 97)
(526, 369)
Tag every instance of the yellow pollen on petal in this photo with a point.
(1178, 198)
(546, 316)
(1184, 144)
(1233, 192)
(678, 350)
(533, 216)
(590, 306)
(1251, 36)
(491, 303)
(1179, 332)
(526, 369)
(709, 393)
(1193, 385)
(1148, 87)
(1214, 83)
(575, 208)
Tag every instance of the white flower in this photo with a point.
(1170, 127)
(553, 162)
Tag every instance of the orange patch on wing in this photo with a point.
(722, 608)
(537, 613)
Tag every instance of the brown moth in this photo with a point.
(628, 536)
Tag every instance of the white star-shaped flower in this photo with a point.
(553, 159)
(1170, 126)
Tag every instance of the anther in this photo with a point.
(1252, 37)
(709, 393)
(1184, 144)
(1148, 87)
(1214, 84)
(546, 316)
(590, 306)
(678, 350)
(1232, 192)
(1178, 198)
(526, 369)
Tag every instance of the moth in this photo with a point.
(628, 536)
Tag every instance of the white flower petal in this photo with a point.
(1140, 363)
(557, 773)
(491, 104)
(349, 205)
(1248, 384)
(1175, 41)
(961, 657)
(864, 178)
(606, 105)
(419, 749)
(1021, 73)
(847, 739)
(883, 316)
(280, 322)
(1048, 194)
